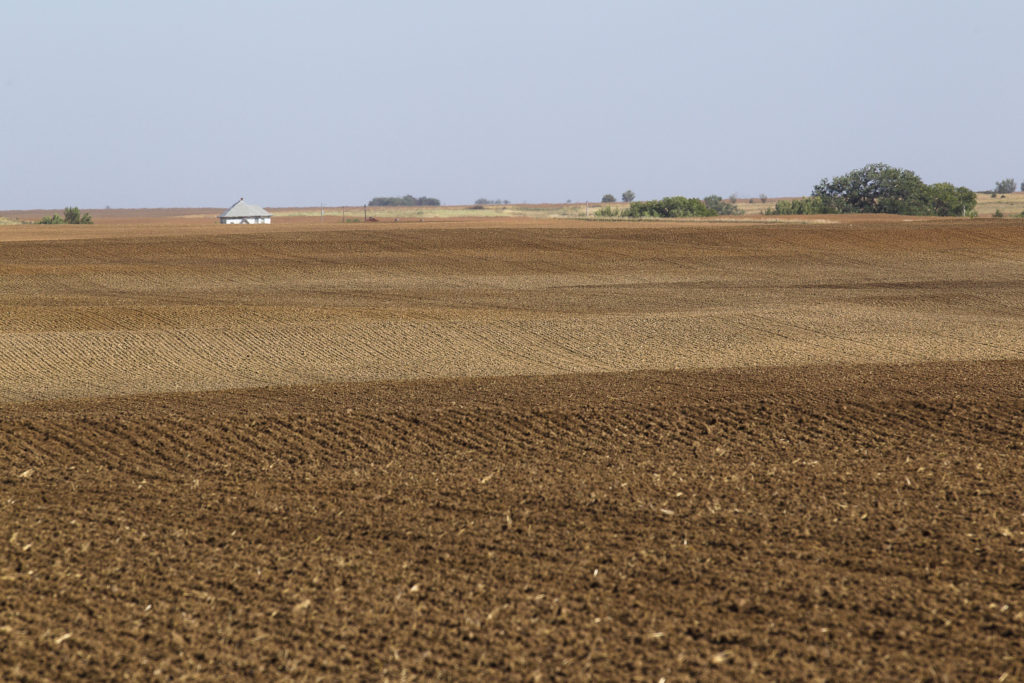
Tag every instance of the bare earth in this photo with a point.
(512, 449)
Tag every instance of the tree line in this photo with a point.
(407, 200)
(676, 207)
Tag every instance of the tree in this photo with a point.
(876, 188)
(946, 200)
(628, 196)
(607, 199)
(721, 206)
(1006, 185)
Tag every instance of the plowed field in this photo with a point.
(513, 450)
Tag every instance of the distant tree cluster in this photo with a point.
(879, 188)
(722, 207)
(72, 216)
(627, 197)
(683, 207)
(490, 202)
(407, 200)
(1006, 185)
(668, 207)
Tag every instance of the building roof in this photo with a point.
(243, 210)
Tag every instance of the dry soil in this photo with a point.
(512, 450)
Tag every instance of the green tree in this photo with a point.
(721, 206)
(947, 200)
(608, 199)
(879, 188)
(1006, 185)
(628, 196)
(876, 188)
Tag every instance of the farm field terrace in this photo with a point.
(512, 448)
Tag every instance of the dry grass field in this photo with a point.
(1011, 205)
(511, 448)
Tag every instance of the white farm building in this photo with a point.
(242, 212)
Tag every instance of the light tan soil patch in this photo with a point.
(92, 317)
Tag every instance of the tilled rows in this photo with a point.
(301, 304)
(794, 523)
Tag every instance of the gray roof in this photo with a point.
(243, 210)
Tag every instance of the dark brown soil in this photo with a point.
(812, 523)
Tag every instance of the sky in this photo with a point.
(196, 103)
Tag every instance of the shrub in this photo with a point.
(669, 207)
(722, 207)
(803, 206)
(72, 216)
(75, 217)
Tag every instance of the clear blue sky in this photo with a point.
(196, 103)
